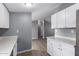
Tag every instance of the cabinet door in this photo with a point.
(49, 46)
(57, 50)
(71, 16)
(53, 21)
(61, 19)
(4, 17)
(68, 50)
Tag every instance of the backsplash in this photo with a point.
(66, 32)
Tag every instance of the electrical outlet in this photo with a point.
(55, 30)
(17, 31)
(72, 31)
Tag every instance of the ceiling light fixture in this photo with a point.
(28, 4)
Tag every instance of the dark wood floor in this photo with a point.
(39, 48)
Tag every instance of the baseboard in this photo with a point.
(34, 38)
(24, 51)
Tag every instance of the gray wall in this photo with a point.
(20, 25)
(66, 32)
(47, 28)
(35, 30)
(77, 35)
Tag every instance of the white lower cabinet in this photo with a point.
(68, 50)
(58, 48)
(49, 48)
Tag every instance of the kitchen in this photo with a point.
(58, 24)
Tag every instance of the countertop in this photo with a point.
(6, 45)
(71, 41)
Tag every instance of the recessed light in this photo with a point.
(28, 4)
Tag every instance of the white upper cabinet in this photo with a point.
(71, 16)
(65, 18)
(4, 17)
(61, 19)
(53, 21)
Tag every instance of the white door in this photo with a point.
(61, 19)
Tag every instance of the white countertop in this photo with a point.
(64, 39)
(6, 45)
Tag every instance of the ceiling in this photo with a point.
(39, 10)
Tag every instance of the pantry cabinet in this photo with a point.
(59, 48)
(4, 17)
